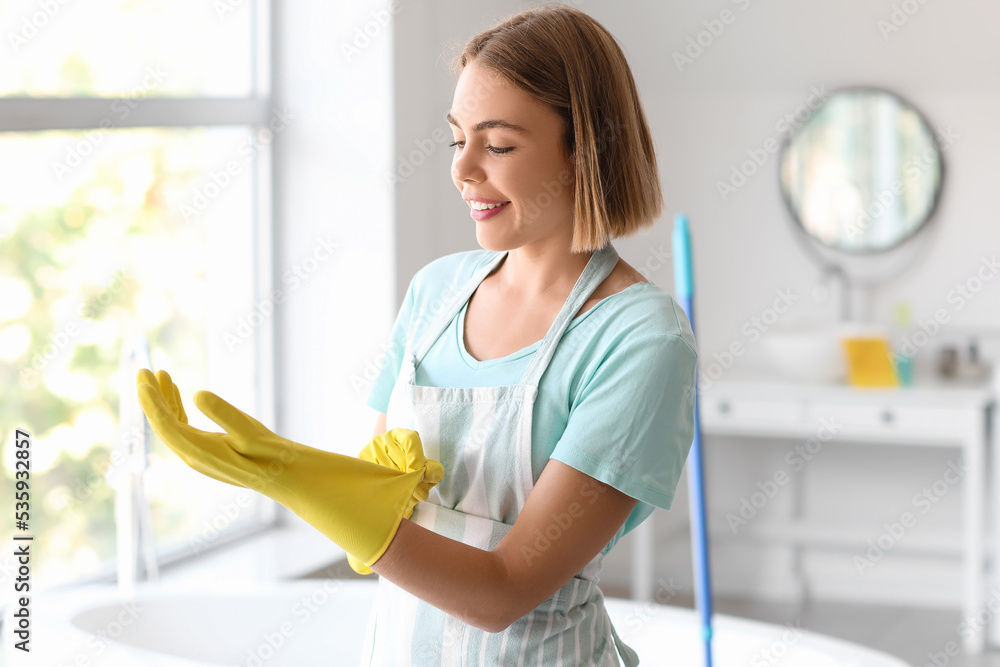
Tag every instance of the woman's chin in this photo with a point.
(490, 241)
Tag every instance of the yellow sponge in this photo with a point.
(869, 362)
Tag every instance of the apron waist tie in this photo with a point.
(629, 656)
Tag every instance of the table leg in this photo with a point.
(993, 457)
(643, 565)
(974, 551)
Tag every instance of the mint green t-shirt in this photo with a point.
(616, 401)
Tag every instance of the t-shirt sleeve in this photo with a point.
(632, 423)
(378, 398)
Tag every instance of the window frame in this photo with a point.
(38, 114)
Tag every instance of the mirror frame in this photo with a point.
(935, 196)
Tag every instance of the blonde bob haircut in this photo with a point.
(565, 59)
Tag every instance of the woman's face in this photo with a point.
(496, 161)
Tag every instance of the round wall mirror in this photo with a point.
(862, 174)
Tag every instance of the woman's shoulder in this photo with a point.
(645, 310)
(446, 274)
(460, 264)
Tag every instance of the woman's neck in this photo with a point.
(530, 273)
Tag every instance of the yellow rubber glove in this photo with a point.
(356, 503)
(397, 454)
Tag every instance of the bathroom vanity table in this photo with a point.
(926, 414)
(835, 172)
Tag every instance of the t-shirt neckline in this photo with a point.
(475, 364)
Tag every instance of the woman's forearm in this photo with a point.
(463, 581)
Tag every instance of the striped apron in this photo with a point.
(482, 437)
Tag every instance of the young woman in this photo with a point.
(552, 382)
(538, 399)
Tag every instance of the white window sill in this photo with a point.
(281, 552)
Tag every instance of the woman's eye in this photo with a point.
(492, 149)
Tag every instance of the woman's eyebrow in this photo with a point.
(489, 124)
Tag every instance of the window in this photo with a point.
(135, 162)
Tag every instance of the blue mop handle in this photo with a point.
(684, 286)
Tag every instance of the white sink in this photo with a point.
(806, 354)
(322, 622)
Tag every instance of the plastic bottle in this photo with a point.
(902, 353)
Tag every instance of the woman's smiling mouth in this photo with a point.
(482, 211)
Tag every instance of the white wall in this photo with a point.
(704, 119)
(329, 186)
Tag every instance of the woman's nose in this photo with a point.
(466, 167)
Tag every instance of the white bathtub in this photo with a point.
(310, 622)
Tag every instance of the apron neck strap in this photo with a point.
(451, 308)
(599, 267)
